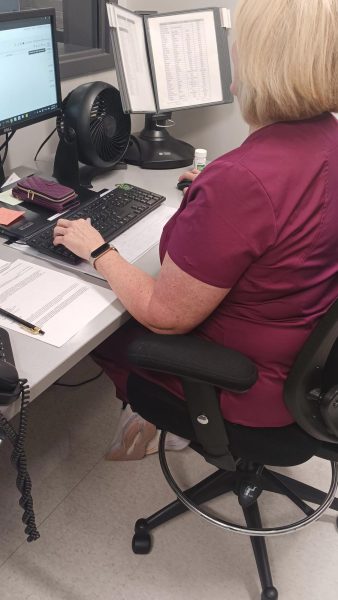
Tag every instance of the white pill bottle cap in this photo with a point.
(200, 153)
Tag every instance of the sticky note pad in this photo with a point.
(8, 216)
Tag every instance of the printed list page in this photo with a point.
(185, 59)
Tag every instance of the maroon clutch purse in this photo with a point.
(46, 193)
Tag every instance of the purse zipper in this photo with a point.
(39, 195)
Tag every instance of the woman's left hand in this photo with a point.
(78, 236)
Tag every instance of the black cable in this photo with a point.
(7, 140)
(8, 137)
(82, 382)
(19, 460)
(44, 143)
(4, 145)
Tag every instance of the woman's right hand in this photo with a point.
(191, 175)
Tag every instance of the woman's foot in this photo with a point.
(135, 438)
(131, 438)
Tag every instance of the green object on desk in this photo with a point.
(124, 186)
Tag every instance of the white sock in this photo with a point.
(172, 442)
(175, 442)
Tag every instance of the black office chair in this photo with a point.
(241, 453)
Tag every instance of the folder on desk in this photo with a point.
(27, 224)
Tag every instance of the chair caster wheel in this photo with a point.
(141, 543)
(269, 593)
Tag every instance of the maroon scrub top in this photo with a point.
(263, 221)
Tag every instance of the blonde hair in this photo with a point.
(287, 59)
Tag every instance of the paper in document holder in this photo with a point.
(146, 50)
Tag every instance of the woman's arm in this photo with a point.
(174, 303)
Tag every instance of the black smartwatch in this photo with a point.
(100, 251)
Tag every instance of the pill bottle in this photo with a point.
(200, 159)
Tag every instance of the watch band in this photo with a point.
(100, 251)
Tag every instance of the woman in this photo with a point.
(250, 260)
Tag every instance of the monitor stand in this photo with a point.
(155, 148)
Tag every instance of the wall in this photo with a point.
(218, 128)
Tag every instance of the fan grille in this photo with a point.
(108, 129)
(93, 116)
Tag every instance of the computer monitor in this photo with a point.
(29, 69)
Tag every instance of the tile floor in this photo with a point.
(86, 508)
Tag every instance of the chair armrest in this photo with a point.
(194, 358)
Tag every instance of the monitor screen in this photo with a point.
(29, 69)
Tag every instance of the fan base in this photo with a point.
(87, 173)
(69, 171)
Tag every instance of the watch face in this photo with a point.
(100, 249)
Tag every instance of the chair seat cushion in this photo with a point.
(275, 446)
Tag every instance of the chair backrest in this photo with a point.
(311, 389)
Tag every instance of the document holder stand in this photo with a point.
(155, 148)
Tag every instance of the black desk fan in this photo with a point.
(93, 130)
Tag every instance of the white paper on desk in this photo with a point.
(8, 198)
(132, 244)
(60, 304)
(11, 179)
(3, 264)
(145, 234)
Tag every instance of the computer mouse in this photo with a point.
(183, 184)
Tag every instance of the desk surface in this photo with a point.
(42, 364)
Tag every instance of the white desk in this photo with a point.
(42, 364)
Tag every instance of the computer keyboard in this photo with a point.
(111, 213)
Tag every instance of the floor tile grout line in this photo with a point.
(51, 512)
